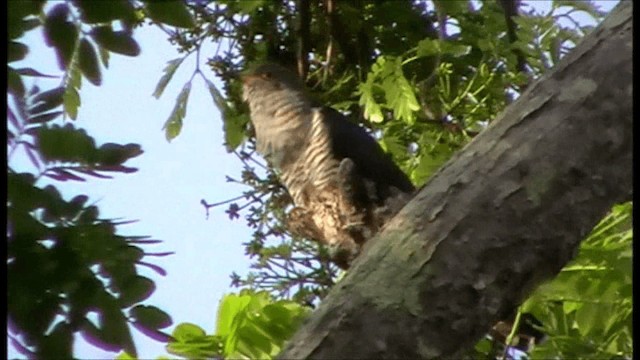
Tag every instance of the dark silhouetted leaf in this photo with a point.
(58, 342)
(169, 70)
(156, 268)
(135, 290)
(16, 51)
(114, 329)
(47, 100)
(66, 175)
(94, 174)
(172, 13)
(61, 34)
(111, 154)
(16, 12)
(117, 41)
(42, 118)
(150, 317)
(88, 62)
(105, 11)
(104, 56)
(33, 72)
(14, 83)
(66, 144)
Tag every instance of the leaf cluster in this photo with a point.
(587, 309)
(66, 265)
(250, 325)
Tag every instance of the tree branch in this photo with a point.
(304, 21)
(505, 214)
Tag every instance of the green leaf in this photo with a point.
(61, 34)
(172, 13)
(187, 331)
(191, 341)
(125, 356)
(428, 47)
(169, 70)
(88, 62)
(234, 122)
(150, 317)
(452, 7)
(230, 306)
(16, 51)
(71, 100)
(248, 6)
(173, 125)
(105, 11)
(119, 42)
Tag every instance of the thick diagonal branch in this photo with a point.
(505, 214)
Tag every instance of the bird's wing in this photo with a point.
(348, 140)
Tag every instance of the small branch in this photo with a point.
(304, 22)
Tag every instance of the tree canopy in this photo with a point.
(424, 77)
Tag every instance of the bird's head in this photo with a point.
(266, 80)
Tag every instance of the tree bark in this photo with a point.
(505, 214)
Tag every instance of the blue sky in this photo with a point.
(173, 177)
(164, 195)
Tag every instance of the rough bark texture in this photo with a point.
(505, 214)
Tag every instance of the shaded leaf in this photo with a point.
(135, 290)
(120, 42)
(114, 329)
(160, 271)
(14, 83)
(17, 11)
(88, 62)
(33, 72)
(42, 118)
(60, 34)
(47, 100)
(65, 144)
(172, 13)
(111, 154)
(58, 342)
(105, 11)
(66, 175)
(150, 317)
(16, 51)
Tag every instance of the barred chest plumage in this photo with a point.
(315, 167)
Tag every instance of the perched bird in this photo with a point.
(344, 187)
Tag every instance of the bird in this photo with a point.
(343, 185)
